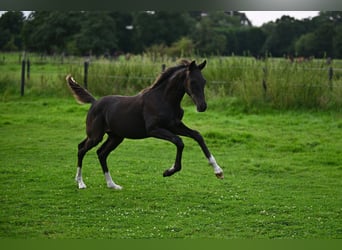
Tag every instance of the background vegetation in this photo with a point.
(173, 33)
(273, 82)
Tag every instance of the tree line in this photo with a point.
(185, 33)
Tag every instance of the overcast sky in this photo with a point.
(259, 17)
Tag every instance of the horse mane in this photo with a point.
(166, 74)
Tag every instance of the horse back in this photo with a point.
(122, 116)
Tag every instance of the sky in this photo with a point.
(259, 17)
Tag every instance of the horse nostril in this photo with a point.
(202, 107)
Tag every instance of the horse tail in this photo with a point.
(81, 94)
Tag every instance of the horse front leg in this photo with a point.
(183, 130)
(176, 140)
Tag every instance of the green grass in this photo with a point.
(282, 177)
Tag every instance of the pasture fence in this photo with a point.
(22, 85)
(85, 78)
(26, 67)
(272, 80)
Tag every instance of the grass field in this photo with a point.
(283, 176)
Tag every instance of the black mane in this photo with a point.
(167, 74)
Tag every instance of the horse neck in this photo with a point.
(174, 90)
(171, 89)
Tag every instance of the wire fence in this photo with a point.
(272, 80)
(26, 71)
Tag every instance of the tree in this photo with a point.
(250, 40)
(50, 31)
(334, 17)
(98, 34)
(282, 36)
(218, 32)
(159, 27)
(232, 43)
(306, 45)
(208, 40)
(325, 32)
(183, 47)
(124, 30)
(214, 32)
(11, 24)
(324, 40)
(337, 42)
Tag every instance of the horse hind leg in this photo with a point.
(83, 148)
(81, 153)
(109, 145)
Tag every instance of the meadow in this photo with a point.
(281, 151)
(282, 177)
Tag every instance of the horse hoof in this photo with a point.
(219, 175)
(169, 172)
(82, 186)
(114, 186)
(166, 173)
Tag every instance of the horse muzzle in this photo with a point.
(200, 102)
(201, 107)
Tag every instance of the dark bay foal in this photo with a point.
(154, 112)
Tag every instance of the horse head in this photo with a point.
(194, 85)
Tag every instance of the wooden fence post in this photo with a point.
(22, 86)
(264, 83)
(28, 68)
(331, 74)
(86, 66)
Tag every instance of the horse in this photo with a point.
(154, 112)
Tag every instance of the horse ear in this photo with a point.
(192, 66)
(202, 65)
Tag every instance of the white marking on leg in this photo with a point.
(79, 179)
(172, 169)
(111, 183)
(217, 169)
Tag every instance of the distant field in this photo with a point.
(283, 176)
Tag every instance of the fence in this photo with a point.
(274, 81)
(26, 68)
